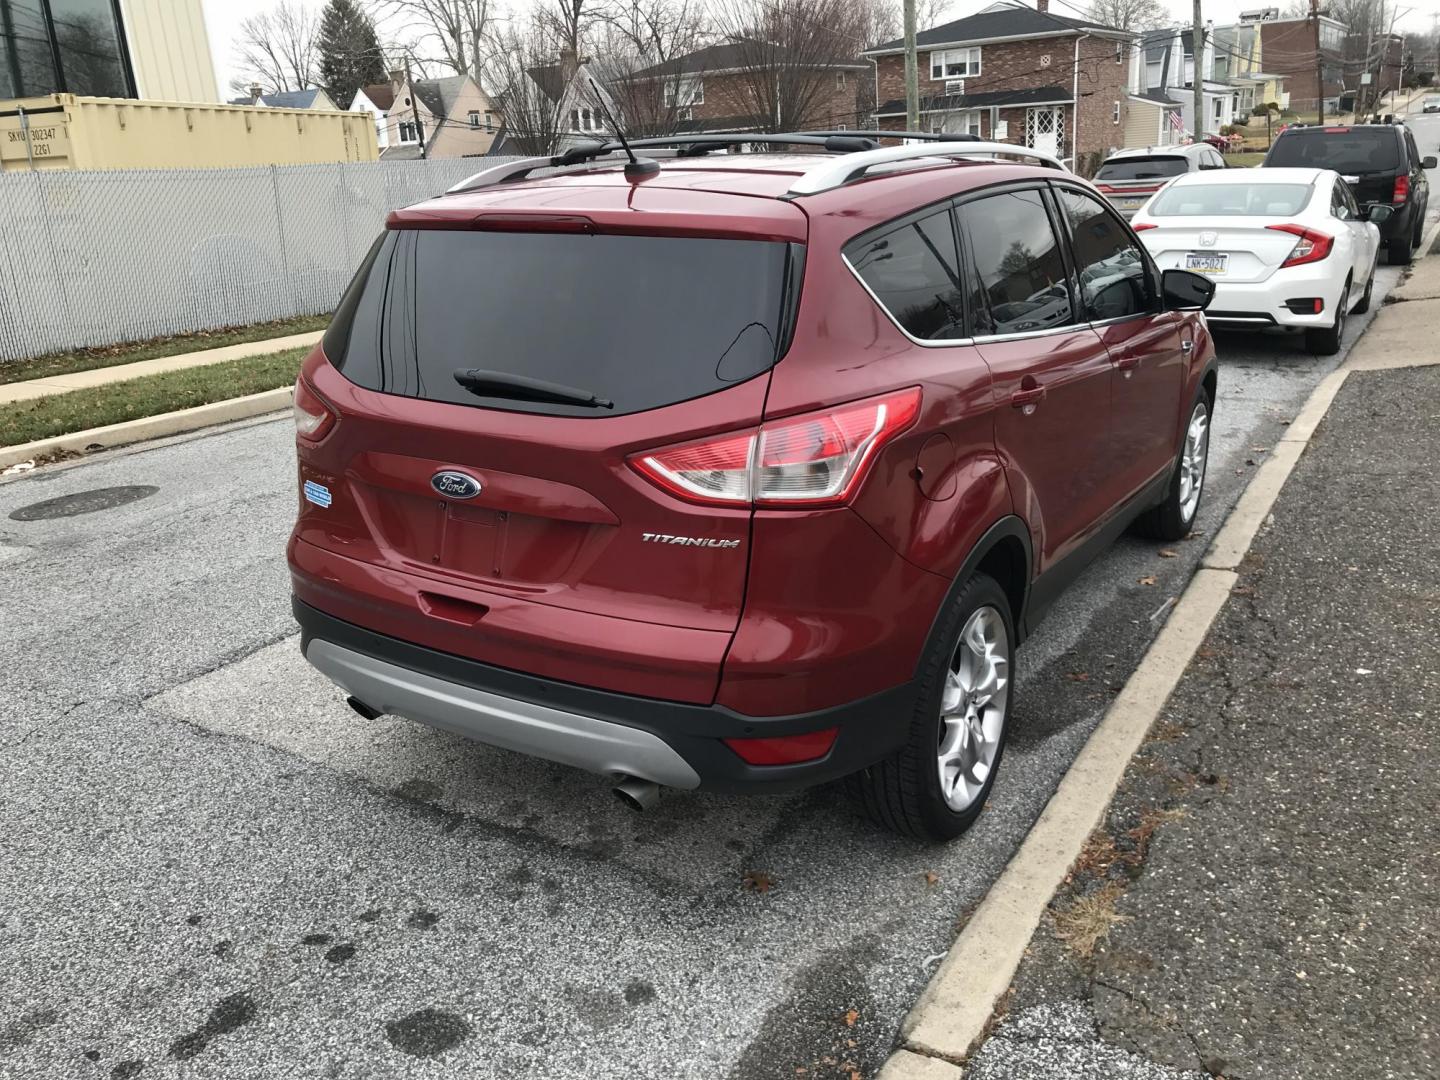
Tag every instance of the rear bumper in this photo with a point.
(1262, 303)
(672, 743)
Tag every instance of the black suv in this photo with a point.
(1381, 164)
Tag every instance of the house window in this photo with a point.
(955, 63)
(960, 122)
(1219, 108)
(474, 119)
(687, 91)
(407, 131)
(489, 121)
(839, 80)
(574, 119)
(1115, 113)
(1119, 52)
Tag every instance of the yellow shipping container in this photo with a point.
(63, 131)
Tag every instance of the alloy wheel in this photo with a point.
(973, 707)
(1192, 460)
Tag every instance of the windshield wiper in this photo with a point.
(519, 388)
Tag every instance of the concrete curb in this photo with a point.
(952, 1016)
(150, 427)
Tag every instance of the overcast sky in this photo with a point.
(222, 18)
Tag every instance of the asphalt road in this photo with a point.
(209, 867)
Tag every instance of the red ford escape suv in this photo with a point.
(743, 471)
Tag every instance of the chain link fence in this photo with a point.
(98, 258)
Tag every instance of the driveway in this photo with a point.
(211, 867)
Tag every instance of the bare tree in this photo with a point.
(1130, 14)
(786, 52)
(276, 48)
(569, 21)
(456, 29)
(640, 52)
(534, 116)
(880, 20)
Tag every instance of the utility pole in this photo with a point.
(1197, 47)
(912, 72)
(414, 107)
(1319, 64)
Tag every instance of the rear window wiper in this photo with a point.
(501, 384)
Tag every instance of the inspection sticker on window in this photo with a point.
(318, 494)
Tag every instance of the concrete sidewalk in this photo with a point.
(1261, 900)
(10, 393)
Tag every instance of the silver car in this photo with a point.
(1129, 177)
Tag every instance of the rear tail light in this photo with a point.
(785, 749)
(1142, 227)
(313, 418)
(1311, 246)
(1105, 189)
(814, 459)
(1402, 189)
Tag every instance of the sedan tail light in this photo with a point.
(313, 418)
(1141, 227)
(1311, 246)
(1402, 189)
(814, 459)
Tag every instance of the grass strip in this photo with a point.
(149, 395)
(65, 363)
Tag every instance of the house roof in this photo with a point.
(292, 99)
(439, 95)
(381, 95)
(727, 56)
(550, 79)
(945, 102)
(993, 24)
(1156, 96)
(1155, 42)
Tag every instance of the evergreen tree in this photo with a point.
(349, 51)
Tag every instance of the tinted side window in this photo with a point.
(1021, 275)
(914, 272)
(1114, 282)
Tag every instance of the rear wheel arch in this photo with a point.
(1005, 553)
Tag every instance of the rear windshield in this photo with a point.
(1143, 168)
(1350, 151)
(642, 321)
(1239, 200)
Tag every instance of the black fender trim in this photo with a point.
(1010, 526)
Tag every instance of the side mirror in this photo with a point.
(1428, 163)
(1379, 213)
(1186, 291)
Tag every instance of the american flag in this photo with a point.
(1177, 121)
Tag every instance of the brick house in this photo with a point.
(717, 89)
(1288, 47)
(1016, 74)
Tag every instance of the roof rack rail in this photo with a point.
(841, 171)
(914, 136)
(835, 142)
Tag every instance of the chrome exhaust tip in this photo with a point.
(637, 794)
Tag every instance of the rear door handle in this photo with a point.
(1187, 346)
(1029, 396)
(1128, 362)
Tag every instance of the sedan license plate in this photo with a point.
(1206, 264)
(1131, 204)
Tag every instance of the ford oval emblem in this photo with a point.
(455, 485)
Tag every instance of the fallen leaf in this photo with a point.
(757, 881)
(1148, 579)
(851, 1017)
(1078, 676)
(1169, 553)
(931, 878)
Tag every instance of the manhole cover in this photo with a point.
(83, 502)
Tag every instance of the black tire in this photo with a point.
(903, 792)
(1171, 520)
(1325, 340)
(1399, 252)
(1364, 305)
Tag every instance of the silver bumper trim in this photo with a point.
(569, 738)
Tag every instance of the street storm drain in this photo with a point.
(83, 502)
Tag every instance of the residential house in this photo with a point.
(314, 98)
(1170, 69)
(715, 89)
(1019, 74)
(1289, 48)
(568, 85)
(1239, 60)
(450, 118)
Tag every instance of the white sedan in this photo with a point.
(1285, 247)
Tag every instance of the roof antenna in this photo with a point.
(636, 168)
